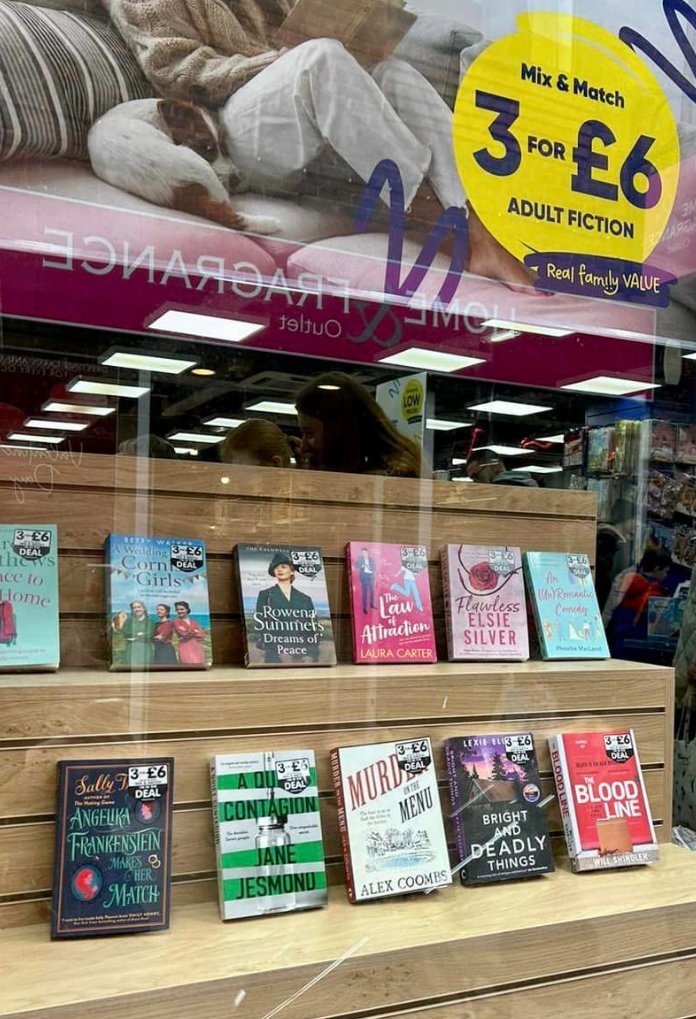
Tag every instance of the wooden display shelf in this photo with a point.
(499, 950)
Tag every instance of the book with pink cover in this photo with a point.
(485, 609)
(391, 609)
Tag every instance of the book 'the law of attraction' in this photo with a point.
(389, 816)
(604, 807)
(391, 610)
(497, 808)
(285, 605)
(29, 630)
(158, 616)
(485, 608)
(564, 603)
(268, 840)
(113, 847)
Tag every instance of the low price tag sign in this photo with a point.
(569, 153)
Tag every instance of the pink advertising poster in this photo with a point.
(485, 608)
(391, 609)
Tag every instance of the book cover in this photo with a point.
(661, 437)
(686, 444)
(285, 605)
(665, 618)
(485, 609)
(391, 610)
(113, 846)
(29, 630)
(497, 808)
(564, 603)
(158, 615)
(604, 806)
(389, 816)
(269, 848)
(600, 450)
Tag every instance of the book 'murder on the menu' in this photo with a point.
(113, 846)
(564, 602)
(391, 610)
(485, 609)
(497, 807)
(285, 605)
(157, 598)
(389, 816)
(604, 806)
(29, 635)
(270, 853)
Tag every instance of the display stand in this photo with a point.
(564, 943)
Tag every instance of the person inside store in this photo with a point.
(148, 445)
(486, 468)
(345, 429)
(282, 110)
(625, 614)
(256, 443)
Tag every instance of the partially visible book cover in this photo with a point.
(270, 853)
(158, 615)
(601, 794)
(485, 609)
(497, 807)
(564, 602)
(113, 846)
(686, 444)
(389, 817)
(665, 617)
(29, 630)
(661, 439)
(600, 450)
(391, 610)
(285, 605)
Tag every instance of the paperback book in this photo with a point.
(497, 808)
(391, 610)
(604, 806)
(113, 847)
(29, 633)
(157, 598)
(285, 605)
(485, 609)
(389, 816)
(564, 603)
(270, 854)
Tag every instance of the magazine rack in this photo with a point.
(567, 942)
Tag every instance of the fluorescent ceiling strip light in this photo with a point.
(504, 450)
(430, 360)
(501, 335)
(147, 362)
(186, 450)
(272, 407)
(55, 407)
(97, 388)
(508, 407)
(68, 426)
(211, 327)
(201, 437)
(223, 422)
(462, 480)
(442, 425)
(560, 438)
(538, 469)
(24, 437)
(527, 327)
(38, 449)
(458, 461)
(605, 385)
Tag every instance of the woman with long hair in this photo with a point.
(164, 653)
(138, 631)
(345, 429)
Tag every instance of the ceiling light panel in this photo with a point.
(273, 407)
(223, 422)
(26, 437)
(97, 388)
(505, 450)
(147, 362)
(509, 408)
(68, 426)
(210, 327)
(442, 425)
(202, 437)
(56, 407)
(431, 360)
(606, 385)
(524, 327)
(538, 469)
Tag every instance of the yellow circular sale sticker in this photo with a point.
(569, 154)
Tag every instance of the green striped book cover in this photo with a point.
(268, 842)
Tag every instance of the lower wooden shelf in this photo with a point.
(590, 946)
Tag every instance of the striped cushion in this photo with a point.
(58, 73)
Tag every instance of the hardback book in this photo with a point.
(270, 853)
(389, 816)
(29, 631)
(285, 605)
(391, 610)
(157, 597)
(369, 29)
(564, 603)
(601, 794)
(497, 808)
(485, 608)
(113, 846)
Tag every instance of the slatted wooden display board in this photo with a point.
(84, 711)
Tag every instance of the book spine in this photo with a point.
(447, 597)
(456, 807)
(564, 791)
(216, 836)
(353, 607)
(237, 566)
(342, 824)
(531, 591)
(59, 853)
